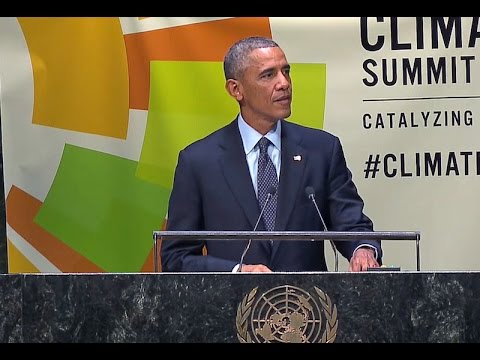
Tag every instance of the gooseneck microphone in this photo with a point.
(310, 192)
(270, 193)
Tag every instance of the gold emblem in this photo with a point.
(286, 314)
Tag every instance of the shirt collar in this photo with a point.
(250, 136)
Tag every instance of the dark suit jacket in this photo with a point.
(213, 191)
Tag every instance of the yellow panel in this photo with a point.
(80, 74)
(17, 262)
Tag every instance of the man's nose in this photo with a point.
(283, 82)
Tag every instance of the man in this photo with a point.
(220, 181)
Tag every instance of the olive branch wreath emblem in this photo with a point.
(245, 308)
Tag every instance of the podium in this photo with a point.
(338, 307)
(159, 236)
(281, 307)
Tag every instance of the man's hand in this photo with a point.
(255, 268)
(362, 259)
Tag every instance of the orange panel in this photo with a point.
(21, 209)
(207, 41)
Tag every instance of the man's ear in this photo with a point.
(234, 89)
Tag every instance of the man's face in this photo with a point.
(265, 88)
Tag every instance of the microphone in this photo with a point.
(270, 193)
(310, 192)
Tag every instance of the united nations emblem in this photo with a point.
(287, 314)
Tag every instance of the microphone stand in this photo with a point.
(311, 194)
(270, 193)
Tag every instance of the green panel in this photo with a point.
(308, 104)
(99, 208)
(188, 101)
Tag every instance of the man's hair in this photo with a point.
(237, 57)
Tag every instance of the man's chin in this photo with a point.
(285, 114)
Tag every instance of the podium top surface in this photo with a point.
(289, 235)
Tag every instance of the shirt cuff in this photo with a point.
(235, 269)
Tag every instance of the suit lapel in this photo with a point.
(237, 174)
(294, 159)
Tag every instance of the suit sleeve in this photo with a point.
(346, 205)
(185, 214)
